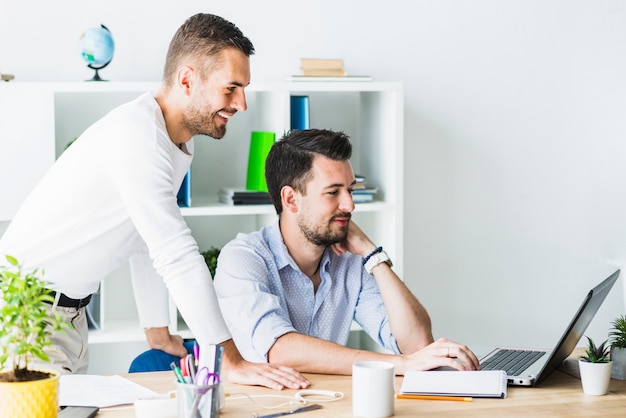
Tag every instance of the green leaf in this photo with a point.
(596, 354)
(25, 325)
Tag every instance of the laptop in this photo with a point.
(530, 367)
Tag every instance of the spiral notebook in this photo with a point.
(475, 384)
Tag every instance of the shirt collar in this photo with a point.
(281, 253)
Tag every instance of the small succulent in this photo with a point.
(617, 334)
(596, 354)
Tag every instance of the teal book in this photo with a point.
(184, 193)
(300, 113)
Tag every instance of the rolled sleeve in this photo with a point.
(245, 287)
(371, 315)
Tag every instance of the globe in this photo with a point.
(97, 47)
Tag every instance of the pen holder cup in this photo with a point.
(198, 401)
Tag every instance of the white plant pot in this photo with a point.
(618, 358)
(595, 377)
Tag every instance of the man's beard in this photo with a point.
(199, 123)
(325, 238)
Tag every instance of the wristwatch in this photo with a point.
(376, 259)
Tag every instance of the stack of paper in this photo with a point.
(100, 391)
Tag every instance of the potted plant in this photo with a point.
(617, 336)
(25, 330)
(210, 257)
(595, 368)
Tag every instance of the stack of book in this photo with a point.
(241, 196)
(325, 69)
(322, 67)
(361, 193)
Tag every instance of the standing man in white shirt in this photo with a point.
(111, 198)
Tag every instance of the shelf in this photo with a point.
(205, 206)
(369, 112)
(140, 86)
(212, 207)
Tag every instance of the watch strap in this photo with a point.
(376, 259)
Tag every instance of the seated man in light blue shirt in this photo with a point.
(290, 291)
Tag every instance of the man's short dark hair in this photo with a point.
(202, 37)
(290, 160)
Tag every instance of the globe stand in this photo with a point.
(96, 76)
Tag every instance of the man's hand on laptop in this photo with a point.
(442, 353)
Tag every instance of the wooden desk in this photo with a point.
(560, 395)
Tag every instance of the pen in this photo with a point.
(196, 352)
(179, 375)
(435, 397)
(191, 367)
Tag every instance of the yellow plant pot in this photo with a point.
(34, 399)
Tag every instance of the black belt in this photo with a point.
(67, 302)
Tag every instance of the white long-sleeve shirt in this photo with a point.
(111, 198)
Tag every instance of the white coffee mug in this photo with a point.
(373, 388)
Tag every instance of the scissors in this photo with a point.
(204, 377)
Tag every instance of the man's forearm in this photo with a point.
(308, 354)
(232, 357)
(409, 321)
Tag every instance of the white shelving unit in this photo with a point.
(37, 120)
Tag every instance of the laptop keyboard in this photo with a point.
(513, 362)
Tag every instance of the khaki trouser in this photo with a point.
(68, 352)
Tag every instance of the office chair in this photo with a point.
(156, 360)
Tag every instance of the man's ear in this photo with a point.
(185, 79)
(289, 198)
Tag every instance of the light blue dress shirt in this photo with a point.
(264, 295)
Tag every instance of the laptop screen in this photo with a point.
(579, 324)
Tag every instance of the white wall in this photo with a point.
(515, 131)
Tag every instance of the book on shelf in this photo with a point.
(321, 64)
(93, 311)
(241, 196)
(360, 181)
(364, 195)
(184, 193)
(324, 73)
(300, 112)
